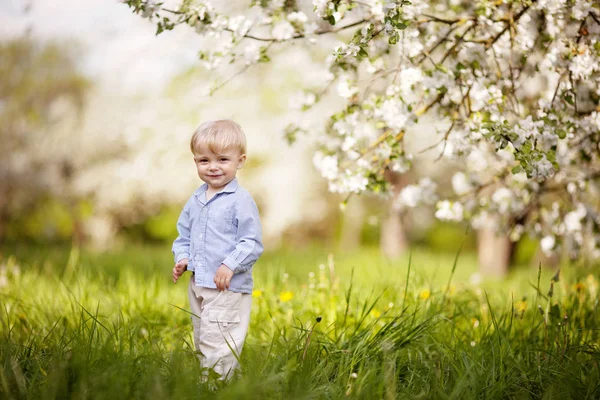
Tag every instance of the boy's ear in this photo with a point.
(242, 160)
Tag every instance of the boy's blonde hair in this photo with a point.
(217, 136)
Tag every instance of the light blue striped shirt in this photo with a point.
(224, 230)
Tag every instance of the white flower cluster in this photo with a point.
(152, 7)
(516, 104)
(283, 30)
(411, 196)
(342, 181)
(323, 8)
(302, 100)
(449, 211)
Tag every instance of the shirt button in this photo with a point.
(201, 236)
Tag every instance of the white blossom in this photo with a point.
(152, 7)
(394, 113)
(550, 6)
(410, 196)
(460, 184)
(503, 198)
(581, 9)
(542, 169)
(408, 77)
(547, 243)
(347, 51)
(402, 164)
(298, 16)
(323, 8)
(327, 165)
(251, 53)
(573, 219)
(583, 65)
(349, 142)
(302, 100)
(476, 160)
(283, 30)
(413, 195)
(346, 125)
(345, 87)
(449, 211)
(239, 25)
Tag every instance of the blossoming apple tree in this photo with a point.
(515, 86)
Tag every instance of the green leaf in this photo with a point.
(561, 133)
(264, 57)
(460, 66)
(401, 25)
(517, 169)
(569, 99)
(331, 19)
(362, 53)
(394, 38)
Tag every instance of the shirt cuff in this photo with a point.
(181, 256)
(231, 263)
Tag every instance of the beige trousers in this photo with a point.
(220, 323)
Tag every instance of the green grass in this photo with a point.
(90, 325)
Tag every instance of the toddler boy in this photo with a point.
(219, 241)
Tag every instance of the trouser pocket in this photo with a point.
(222, 323)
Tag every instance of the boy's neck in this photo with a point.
(210, 193)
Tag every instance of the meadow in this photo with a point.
(75, 324)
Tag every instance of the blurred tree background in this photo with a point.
(40, 86)
(87, 160)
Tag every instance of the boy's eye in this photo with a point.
(224, 159)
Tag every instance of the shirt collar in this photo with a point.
(229, 188)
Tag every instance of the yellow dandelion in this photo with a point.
(257, 293)
(286, 296)
(425, 294)
(375, 313)
(452, 289)
(521, 306)
(579, 287)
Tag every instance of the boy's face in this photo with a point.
(217, 170)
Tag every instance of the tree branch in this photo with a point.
(490, 42)
(299, 36)
(427, 53)
(459, 40)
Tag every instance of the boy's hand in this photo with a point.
(223, 277)
(179, 269)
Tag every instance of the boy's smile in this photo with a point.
(217, 170)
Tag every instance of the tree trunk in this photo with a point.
(494, 252)
(353, 220)
(393, 240)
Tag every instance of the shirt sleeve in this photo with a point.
(181, 245)
(249, 243)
